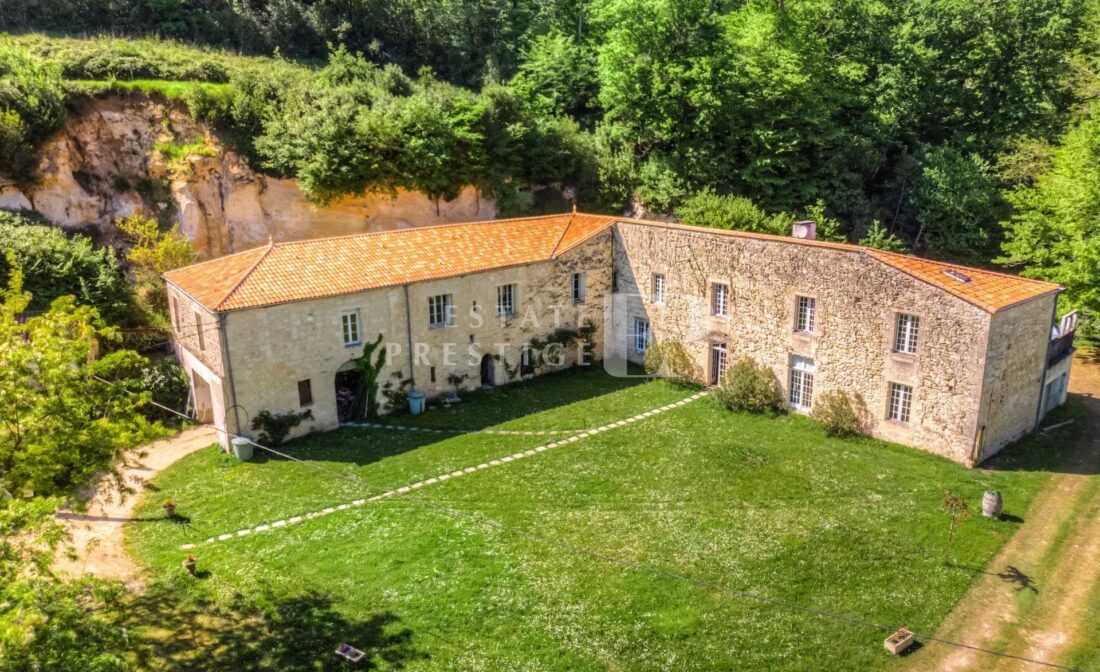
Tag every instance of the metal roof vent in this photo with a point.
(957, 275)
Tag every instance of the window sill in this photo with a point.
(353, 344)
(440, 326)
(897, 423)
(804, 334)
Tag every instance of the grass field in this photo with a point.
(766, 505)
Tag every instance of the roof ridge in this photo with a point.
(214, 259)
(245, 275)
(444, 225)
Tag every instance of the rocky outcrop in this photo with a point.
(119, 155)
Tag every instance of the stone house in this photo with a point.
(953, 360)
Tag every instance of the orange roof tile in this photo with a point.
(988, 290)
(309, 269)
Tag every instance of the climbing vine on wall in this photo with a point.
(369, 366)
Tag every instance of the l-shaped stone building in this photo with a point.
(953, 360)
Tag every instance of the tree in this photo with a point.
(1052, 231)
(48, 623)
(842, 414)
(957, 510)
(956, 201)
(54, 264)
(152, 254)
(708, 208)
(881, 239)
(558, 76)
(59, 426)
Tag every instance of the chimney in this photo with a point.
(806, 229)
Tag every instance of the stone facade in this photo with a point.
(269, 350)
(956, 388)
(973, 382)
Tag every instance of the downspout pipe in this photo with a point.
(409, 335)
(224, 334)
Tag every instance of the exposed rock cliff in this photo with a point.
(105, 164)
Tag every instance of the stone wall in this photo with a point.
(274, 347)
(857, 302)
(103, 165)
(185, 315)
(1014, 371)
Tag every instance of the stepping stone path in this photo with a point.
(577, 435)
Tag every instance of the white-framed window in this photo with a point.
(905, 337)
(578, 287)
(658, 288)
(719, 359)
(641, 334)
(506, 299)
(440, 311)
(900, 402)
(349, 322)
(804, 319)
(719, 299)
(802, 383)
(199, 331)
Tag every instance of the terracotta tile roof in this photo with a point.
(989, 290)
(309, 269)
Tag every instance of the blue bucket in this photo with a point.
(416, 402)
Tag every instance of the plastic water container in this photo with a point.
(242, 448)
(416, 402)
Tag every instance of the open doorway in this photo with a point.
(347, 392)
(488, 371)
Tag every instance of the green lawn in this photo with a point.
(767, 505)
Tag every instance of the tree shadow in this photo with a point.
(281, 633)
(1010, 574)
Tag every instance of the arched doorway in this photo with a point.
(488, 371)
(347, 392)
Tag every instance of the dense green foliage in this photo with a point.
(61, 425)
(48, 623)
(937, 118)
(55, 264)
(31, 107)
(1053, 230)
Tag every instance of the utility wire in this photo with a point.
(632, 564)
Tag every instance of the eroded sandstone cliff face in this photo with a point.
(105, 163)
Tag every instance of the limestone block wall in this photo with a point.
(1014, 371)
(272, 348)
(186, 315)
(544, 303)
(857, 302)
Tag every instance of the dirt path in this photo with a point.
(97, 533)
(1033, 599)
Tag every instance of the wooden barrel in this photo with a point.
(991, 504)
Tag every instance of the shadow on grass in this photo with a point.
(285, 634)
(1010, 574)
(478, 409)
(1064, 449)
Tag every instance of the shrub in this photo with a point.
(167, 382)
(842, 414)
(274, 427)
(670, 359)
(749, 386)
